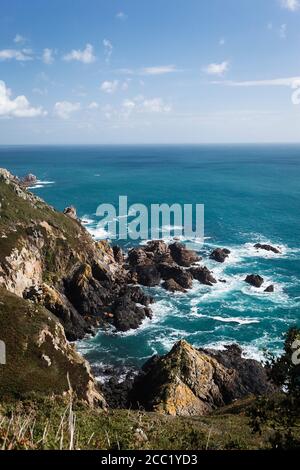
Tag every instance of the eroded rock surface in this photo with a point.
(192, 382)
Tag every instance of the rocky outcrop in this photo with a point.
(71, 212)
(182, 256)
(266, 247)
(39, 359)
(148, 275)
(192, 382)
(254, 280)
(220, 254)
(157, 261)
(173, 286)
(203, 275)
(28, 180)
(50, 258)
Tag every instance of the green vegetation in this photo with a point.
(281, 412)
(60, 424)
(38, 357)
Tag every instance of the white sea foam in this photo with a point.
(85, 220)
(40, 184)
(98, 233)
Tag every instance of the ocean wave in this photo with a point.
(98, 233)
(85, 220)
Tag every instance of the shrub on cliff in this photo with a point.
(281, 412)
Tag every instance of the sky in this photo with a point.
(149, 71)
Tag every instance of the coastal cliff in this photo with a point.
(50, 258)
(58, 284)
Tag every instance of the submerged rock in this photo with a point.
(192, 382)
(254, 280)
(267, 247)
(220, 254)
(270, 288)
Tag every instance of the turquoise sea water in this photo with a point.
(251, 194)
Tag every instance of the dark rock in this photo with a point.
(266, 247)
(138, 256)
(252, 377)
(223, 281)
(203, 275)
(74, 324)
(118, 254)
(270, 288)
(116, 392)
(172, 286)
(220, 254)
(148, 275)
(127, 315)
(178, 274)
(182, 256)
(86, 293)
(70, 212)
(254, 280)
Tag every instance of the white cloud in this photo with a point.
(93, 105)
(291, 5)
(18, 107)
(121, 16)
(48, 56)
(64, 109)
(158, 70)
(109, 87)
(135, 107)
(292, 82)
(108, 49)
(156, 105)
(86, 55)
(217, 69)
(9, 54)
(222, 42)
(282, 31)
(19, 39)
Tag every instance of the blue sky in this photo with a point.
(149, 71)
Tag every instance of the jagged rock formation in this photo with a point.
(191, 382)
(173, 264)
(39, 359)
(50, 258)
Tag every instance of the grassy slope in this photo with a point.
(117, 429)
(21, 323)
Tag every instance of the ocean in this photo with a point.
(251, 194)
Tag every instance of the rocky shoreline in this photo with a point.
(49, 261)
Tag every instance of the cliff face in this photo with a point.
(191, 382)
(38, 357)
(49, 257)
(56, 283)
